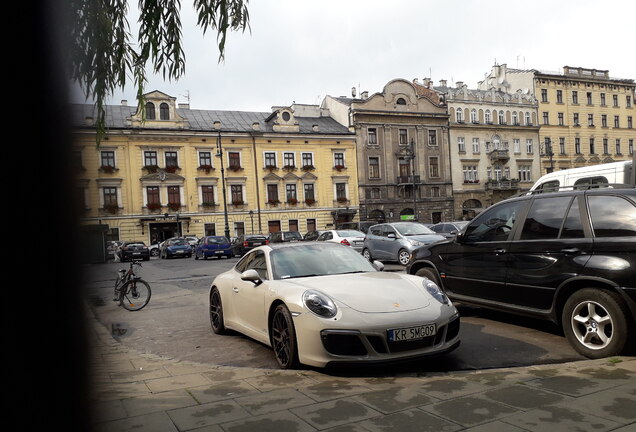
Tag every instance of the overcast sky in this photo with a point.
(302, 50)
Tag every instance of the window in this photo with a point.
(432, 137)
(494, 224)
(341, 191)
(110, 196)
(528, 119)
(604, 120)
(577, 145)
(529, 146)
(616, 121)
(239, 229)
(171, 159)
(630, 147)
(470, 174)
(615, 100)
(207, 195)
(560, 118)
(108, 158)
(435, 192)
(575, 97)
(546, 118)
(433, 166)
(150, 111)
(475, 145)
(590, 119)
(461, 145)
(459, 115)
(628, 101)
(515, 118)
(605, 146)
(401, 101)
(311, 225)
(620, 222)
(374, 167)
(544, 95)
(270, 160)
(592, 149)
(308, 159)
(164, 111)
(174, 196)
(618, 146)
(234, 160)
(559, 96)
(150, 158)
(205, 159)
(309, 192)
(525, 173)
(629, 122)
(403, 136)
(487, 117)
(290, 193)
(272, 194)
(572, 227)
(502, 117)
(603, 99)
(338, 160)
(516, 145)
(289, 160)
(372, 193)
(544, 219)
(152, 196)
(473, 116)
(576, 119)
(589, 98)
(562, 145)
(236, 191)
(293, 224)
(372, 135)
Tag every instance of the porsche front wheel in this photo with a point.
(283, 336)
(216, 312)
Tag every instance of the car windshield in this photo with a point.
(410, 229)
(217, 240)
(179, 242)
(350, 233)
(317, 259)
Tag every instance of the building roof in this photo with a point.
(118, 117)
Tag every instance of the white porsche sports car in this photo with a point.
(323, 303)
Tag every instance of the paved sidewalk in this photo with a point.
(138, 392)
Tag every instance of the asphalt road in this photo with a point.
(175, 324)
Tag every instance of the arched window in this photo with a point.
(487, 118)
(459, 115)
(515, 119)
(164, 111)
(150, 111)
(401, 101)
(473, 115)
(528, 122)
(502, 117)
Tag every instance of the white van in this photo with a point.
(590, 176)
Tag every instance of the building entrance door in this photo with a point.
(163, 231)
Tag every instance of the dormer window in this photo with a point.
(150, 111)
(401, 101)
(164, 111)
(286, 116)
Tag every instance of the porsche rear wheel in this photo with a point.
(216, 312)
(283, 336)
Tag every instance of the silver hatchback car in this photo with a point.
(395, 241)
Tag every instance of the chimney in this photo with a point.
(416, 81)
(256, 126)
(124, 102)
(217, 125)
(315, 128)
(442, 83)
(426, 82)
(364, 94)
(184, 105)
(460, 84)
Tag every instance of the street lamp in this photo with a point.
(252, 219)
(219, 153)
(411, 155)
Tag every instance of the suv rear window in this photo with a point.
(620, 221)
(545, 218)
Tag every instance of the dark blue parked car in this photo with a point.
(213, 246)
(175, 247)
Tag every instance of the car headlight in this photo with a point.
(320, 304)
(435, 291)
(416, 243)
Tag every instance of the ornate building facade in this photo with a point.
(161, 173)
(402, 152)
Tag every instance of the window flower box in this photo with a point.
(108, 169)
(289, 168)
(310, 201)
(339, 167)
(342, 199)
(238, 202)
(208, 204)
(153, 206)
(292, 201)
(151, 168)
(271, 167)
(111, 208)
(172, 169)
(308, 168)
(273, 202)
(174, 206)
(206, 168)
(235, 168)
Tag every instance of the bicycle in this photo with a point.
(131, 291)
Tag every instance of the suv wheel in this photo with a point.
(596, 323)
(428, 273)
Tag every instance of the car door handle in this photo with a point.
(499, 251)
(235, 289)
(571, 251)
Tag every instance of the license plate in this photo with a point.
(136, 253)
(257, 244)
(180, 252)
(218, 252)
(411, 333)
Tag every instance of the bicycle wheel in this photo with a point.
(118, 285)
(135, 295)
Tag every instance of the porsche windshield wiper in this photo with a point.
(299, 276)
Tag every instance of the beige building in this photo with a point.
(150, 179)
(586, 116)
(402, 151)
(494, 148)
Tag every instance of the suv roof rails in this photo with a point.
(581, 186)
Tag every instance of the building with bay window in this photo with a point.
(162, 176)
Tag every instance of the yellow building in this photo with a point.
(585, 116)
(161, 176)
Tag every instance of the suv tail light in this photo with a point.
(266, 242)
(245, 244)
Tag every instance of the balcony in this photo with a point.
(403, 180)
(502, 185)
(499, 156)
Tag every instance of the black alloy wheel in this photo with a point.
(283, 337)
(216, 312)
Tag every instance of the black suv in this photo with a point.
(569, 257)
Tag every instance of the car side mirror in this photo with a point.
(252, 276)
(391, 236)
(378, 265)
